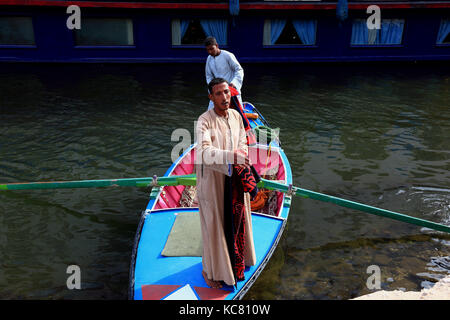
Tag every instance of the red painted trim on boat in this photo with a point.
(224, 6)
(104, 4)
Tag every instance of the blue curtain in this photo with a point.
(276, 27)
(391, 32)
(360, 33)
(183, 27)
(306, 30)
(216, 28)
(342, 10)
(444, 30)
(234, 7)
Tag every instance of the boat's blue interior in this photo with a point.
(153, 268)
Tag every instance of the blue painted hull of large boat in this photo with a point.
(54, 42)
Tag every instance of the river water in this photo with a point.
(377, 134)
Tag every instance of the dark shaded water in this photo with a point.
(377, 134)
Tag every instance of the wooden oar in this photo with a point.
(191, 180)
(127, 182)
(273, 185)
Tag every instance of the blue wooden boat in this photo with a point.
(154, 276)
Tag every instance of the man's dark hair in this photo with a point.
(209, 41)
(214, 82)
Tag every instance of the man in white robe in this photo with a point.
(222, 64)
(221, 142)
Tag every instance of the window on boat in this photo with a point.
(390, 33)
(105, 32)
(194, 31)
(289, 35)
(16, 31)
(444, 32)
(289, 32)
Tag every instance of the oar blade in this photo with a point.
(274, 185)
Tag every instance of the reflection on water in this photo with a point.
(376, 134)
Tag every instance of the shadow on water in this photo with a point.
(372, 133)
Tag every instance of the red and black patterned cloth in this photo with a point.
(242, 180)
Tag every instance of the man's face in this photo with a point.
(221, 96)
(213, 50)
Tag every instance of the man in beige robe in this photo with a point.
(221, 141)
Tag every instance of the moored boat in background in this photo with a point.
(255, 31)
